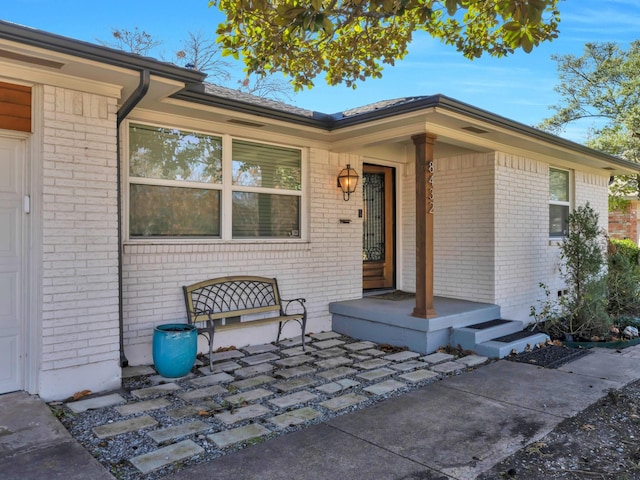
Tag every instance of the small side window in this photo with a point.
(559, 202)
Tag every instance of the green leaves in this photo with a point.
(349, 40)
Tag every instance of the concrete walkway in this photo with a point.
(452, 429)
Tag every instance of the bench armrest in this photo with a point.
(298, 301)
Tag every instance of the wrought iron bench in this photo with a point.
(233, 302)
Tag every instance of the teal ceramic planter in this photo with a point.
(175, 346)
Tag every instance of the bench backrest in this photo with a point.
(239, 295)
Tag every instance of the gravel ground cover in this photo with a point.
(336, 375)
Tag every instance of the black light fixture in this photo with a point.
(347, 182)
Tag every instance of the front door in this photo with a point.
(12, 251)
(378, 252)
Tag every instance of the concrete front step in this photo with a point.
(472, 335)
(501, 347)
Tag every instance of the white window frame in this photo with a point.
(226, 188)
(568, 203)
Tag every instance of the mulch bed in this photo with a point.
(551, 356)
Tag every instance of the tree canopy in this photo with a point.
(350, 40)
(603, 85)
(200, 52)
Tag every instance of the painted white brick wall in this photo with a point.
(327, 268)
(524, 255)
(80, 343)
(464, 227)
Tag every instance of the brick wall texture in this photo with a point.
(623, 223)
(79, 231)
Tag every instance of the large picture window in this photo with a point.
(183, 184)
(559, 202)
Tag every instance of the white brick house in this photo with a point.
(92, 259)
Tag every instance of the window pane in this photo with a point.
(558, 218)
(262, 215)
(171, 154)
(267, 166)
(171, 211)
(558, 185)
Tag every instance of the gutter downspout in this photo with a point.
(125, 109)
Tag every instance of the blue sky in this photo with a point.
(519, 87)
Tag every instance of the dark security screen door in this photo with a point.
(378, 227)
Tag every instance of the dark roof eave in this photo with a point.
(196, 94)
(110, 56)
(447, 103)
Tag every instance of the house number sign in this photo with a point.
(430, 190)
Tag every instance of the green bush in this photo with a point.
(625, 247)
(623, 279)
(582, 312)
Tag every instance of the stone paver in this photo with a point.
(255, 349)
(291, 342)
(333, 362)
(357, 346)
(229, 366)
(472, 360)
(338, 386)
(166, 455)
(408, 366)
(376, 374)
(212, 379)
(261, 358)
(203, 393)
(294, 361)
(252, 382)
(254, 370)
(373, 352)
(128, 372)
(241, 414)
(447, 367)
(324, 335)
(328, 343)
(165, 389)
(294, 417)
(182, 430)
(146, 405)
(96, 402)
(289, 352)
(158, 379)
(373, 363)
(182, 412)
(228, 355)
(437, 357)
(294, 384)
(402, 356)
(337, 373)
(292, 399)
(419, 375)
(250, 396)
(329, 352)
(237, 435)
(340, 403)
(385, 387)
(295, 371)
(125, 426)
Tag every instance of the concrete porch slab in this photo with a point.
(389, 321)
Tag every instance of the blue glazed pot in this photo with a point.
(175, 346)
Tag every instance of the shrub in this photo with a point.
(582, 312)
(623, 279)
(625, 247)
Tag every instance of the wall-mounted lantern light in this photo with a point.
(347, 182)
